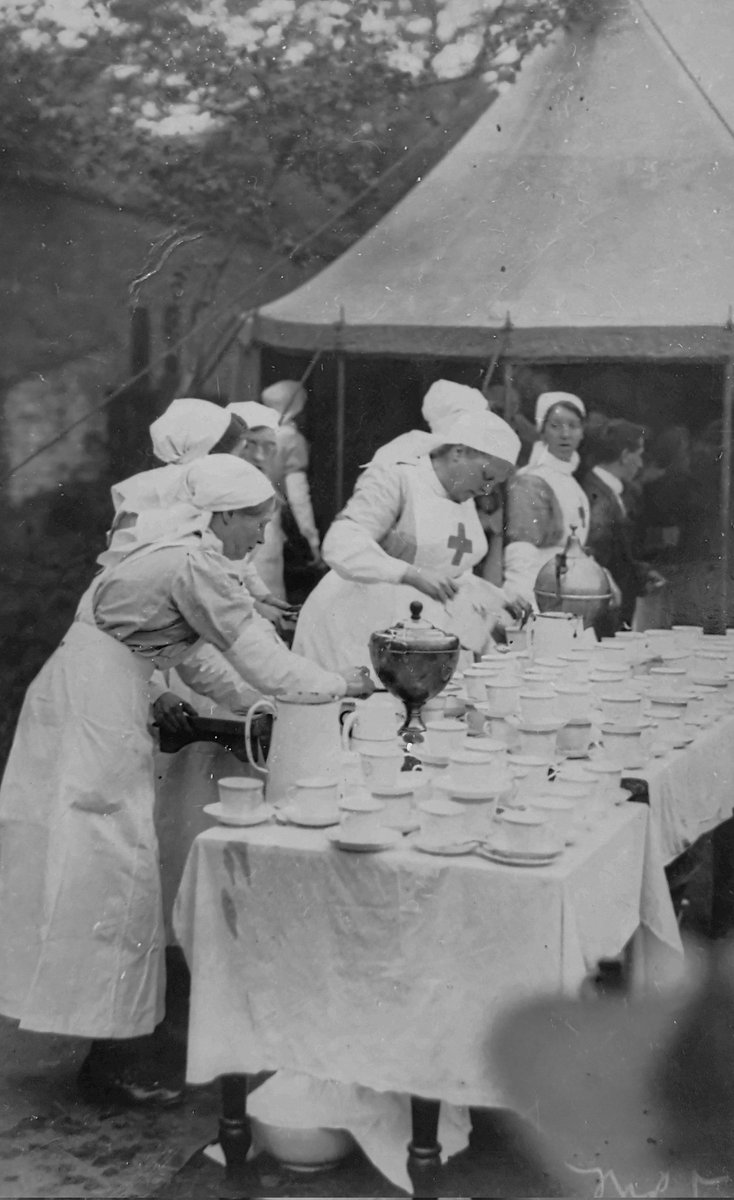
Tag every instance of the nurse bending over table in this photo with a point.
(411, 531)
(81, 939)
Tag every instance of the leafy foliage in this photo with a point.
(262, 117)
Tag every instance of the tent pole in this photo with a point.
(725, 495)
(341, 406)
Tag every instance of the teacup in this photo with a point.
(442, 821)
(708, 663)
(621, 707)
(382, 763)
(574, 738)
(531, 770)
(441, 737)
(623, 743)
(538, 705)
(672, 704)
(519, 831)
(483, 745)
(374, 719)
(573, 700)
(468, 769)
(361, 817)
(560, 811)
(668, 729)
(669, 677)
(314, 799)
(475, 719)
(538, 738)
(607, 774)
(239, 796)
(397, 800)
(475, 679)
(503, 694)
(478, 813)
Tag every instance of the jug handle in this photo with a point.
(259, 706)
(347, 727)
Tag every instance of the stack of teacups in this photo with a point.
(373, 723)
(242, 799)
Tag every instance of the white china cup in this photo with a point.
(239, 796)
(397, 800)
(621, 707)
(381, 763)
(574, 737)
(441, 821)
(607, 774)
(503, 694)
(375, 719)
(531, 770)
(314, 799)
(573, 700)
(623, 743)
(672, 704)
(519, 831)
(538, 705)
(669, 677)
(468, 769)
(538, 738)
(477, 744)
(560, 811)
(361, 817)
(441, 737)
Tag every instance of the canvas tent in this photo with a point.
(586, 216)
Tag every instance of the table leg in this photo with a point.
(234, 1128)
(424, 1149)
(722, 881)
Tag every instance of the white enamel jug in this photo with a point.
(553, 633)
(306, 740)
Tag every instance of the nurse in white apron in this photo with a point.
(81, 939)
(411, 531)
(544, 500)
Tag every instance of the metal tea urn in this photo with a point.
(415, 661)
(573, 582)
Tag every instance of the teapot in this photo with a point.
(573, 582)
(415, 661)
(306, 740)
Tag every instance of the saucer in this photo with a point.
(431, 760)
(465, 791)
(514, 858)
(293, 818)
(454, 849)
(387, 838)
(258, 817)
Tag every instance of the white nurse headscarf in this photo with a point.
(547, 400)
(287, 397)
(188, 429)
(446, 400)
(217, 483)
(254, 415)
(485, 432)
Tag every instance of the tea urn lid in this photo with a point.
(417, 634)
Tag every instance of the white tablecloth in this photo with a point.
(389, 970)
(691, 790)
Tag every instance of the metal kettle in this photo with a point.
(573, 582)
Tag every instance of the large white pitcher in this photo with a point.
(306, 740)
(553, 633)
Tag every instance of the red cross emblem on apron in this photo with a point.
(460, 544)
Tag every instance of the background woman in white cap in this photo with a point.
(544, 500)
(81, 940)
(290, 470)
(261, 449)
(411, 531)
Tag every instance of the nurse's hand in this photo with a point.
(359, 682)
(171, 713)
(436, 584)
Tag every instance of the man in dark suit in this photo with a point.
(619, 449)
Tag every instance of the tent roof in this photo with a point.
(591, 205)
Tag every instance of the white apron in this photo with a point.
(338, 617)
(81, 935)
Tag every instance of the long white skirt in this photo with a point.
(81, 934)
